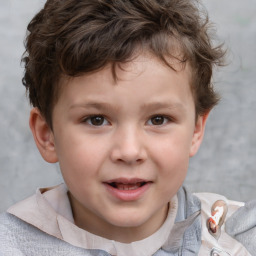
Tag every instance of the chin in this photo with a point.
(128, 220)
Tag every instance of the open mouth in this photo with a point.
(128, 189)
(127, 186)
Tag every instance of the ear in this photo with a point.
(198, 133)
(43, 136)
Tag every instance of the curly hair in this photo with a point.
(74, 37)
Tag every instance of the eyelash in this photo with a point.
(88, 120)
(165, 119)
(104, 121)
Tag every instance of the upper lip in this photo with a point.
(127, 181)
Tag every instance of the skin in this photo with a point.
(142, 126)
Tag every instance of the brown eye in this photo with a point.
(158, 120)
(96, 121)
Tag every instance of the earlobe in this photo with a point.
(43, 136)
(198, 134)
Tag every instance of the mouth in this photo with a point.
(128, 189)
(127, 186)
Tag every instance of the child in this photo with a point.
(121, 91)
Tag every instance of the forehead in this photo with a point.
(141, 62)
(133, 67)
(144, 75)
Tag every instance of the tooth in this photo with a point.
(127, 186)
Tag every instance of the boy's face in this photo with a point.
(124, 147)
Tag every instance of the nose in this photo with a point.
(128, 147)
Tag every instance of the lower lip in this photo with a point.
(128, 195)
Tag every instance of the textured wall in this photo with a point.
(226, 162)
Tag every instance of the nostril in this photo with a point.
(127, 157)
(129, 151)
(131, 161)
(139, 160)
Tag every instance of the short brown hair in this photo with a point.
(74, 37)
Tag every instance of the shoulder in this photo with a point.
(242, 226)
(9, 228)
(236, 224)
(15, 233)
(8, 224)
(20, 238)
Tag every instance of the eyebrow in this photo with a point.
(93, 105)
(151, 106)
(163, 105)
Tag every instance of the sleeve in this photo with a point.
(242, 226)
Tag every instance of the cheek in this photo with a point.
(172, 173)
(79, 159)
(173, 149)
(172, 158)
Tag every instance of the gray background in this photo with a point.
(226, 162)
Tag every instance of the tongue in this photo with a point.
(122, 186)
